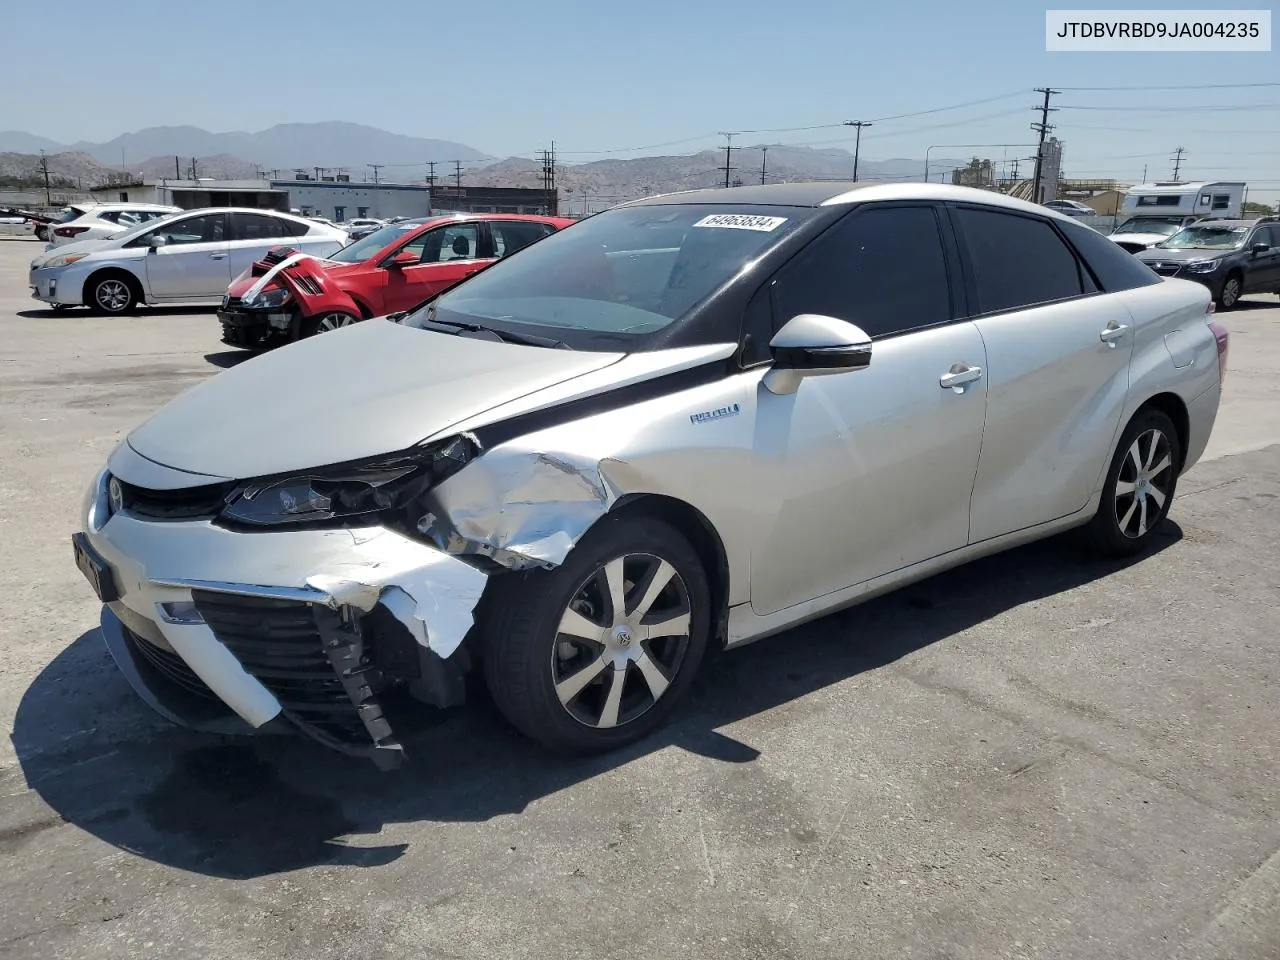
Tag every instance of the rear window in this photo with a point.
(1115, 268)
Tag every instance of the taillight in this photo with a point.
(69, 231)
(1221, 336)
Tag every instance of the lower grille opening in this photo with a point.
(280, 643)
(171, 666)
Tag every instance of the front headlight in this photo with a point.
(1203, 266)
(272, 297)
(389, 486)
(64, 260)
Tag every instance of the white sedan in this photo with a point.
(189, 258)
(101, 220)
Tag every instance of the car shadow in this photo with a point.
(249, 807)
(83, 313)
(226, 359)
(1244, 305)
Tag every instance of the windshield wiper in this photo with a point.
(524, 339)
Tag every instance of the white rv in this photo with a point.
(1152, 212)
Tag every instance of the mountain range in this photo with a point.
(286, 145)
(167, 152)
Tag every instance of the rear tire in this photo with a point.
(1139, 488)
(111, 292)
(571, 670)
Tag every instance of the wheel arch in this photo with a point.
(702, 536)
(113, 270)
(1175, 408)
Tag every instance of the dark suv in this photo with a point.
(1230, 257)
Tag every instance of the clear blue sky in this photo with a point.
(508, 77)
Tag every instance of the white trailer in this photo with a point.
(1151, 212)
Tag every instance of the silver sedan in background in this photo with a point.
(688, 422)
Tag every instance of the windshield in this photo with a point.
(613, 278)
(363, 249)
(1201, 237)
(1165, 226)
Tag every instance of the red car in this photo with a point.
(286, 295)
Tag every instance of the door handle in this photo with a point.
(1112, 333)
(959, 374)
(217, 256)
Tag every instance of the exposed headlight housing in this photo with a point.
(272, 297)
(1203, 266)
(65, 259)
(388, 486)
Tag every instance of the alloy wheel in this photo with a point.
(621, 640)
(113, 295)
(334, 321)
(1230, 292)
(1143, 484)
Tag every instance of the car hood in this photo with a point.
(1180, 255)
(311, 265)
(76, 246)
(373, 388)
(1144, 238)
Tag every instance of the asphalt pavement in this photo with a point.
(1040, 755)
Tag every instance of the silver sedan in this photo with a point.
(688, 422)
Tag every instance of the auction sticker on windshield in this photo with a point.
(742, 221)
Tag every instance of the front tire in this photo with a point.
(112, 293)
(328, 321)
(1232, 288)
(596, 653)
(1140, 486)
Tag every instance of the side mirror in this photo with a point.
(405, 258)
(1259, 248)
(811, 345)
(157, 240)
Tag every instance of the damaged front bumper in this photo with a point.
(305, 629)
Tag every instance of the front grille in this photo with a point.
(188, 503)
(1132, 247)
(279, 642)
(172, 666)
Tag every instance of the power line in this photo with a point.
(1213, 108)
(1194, 86)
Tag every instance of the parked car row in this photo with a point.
(688, 422)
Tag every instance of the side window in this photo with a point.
(1221, 201)
(206, 228)
(1272, 236)
(1017, 261)
(293, 228)
(882, 269)
(512, 235)
(111, 216)
(1115, 268)
(458, 241)
(254, 226)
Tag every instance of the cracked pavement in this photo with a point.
(1038, 755)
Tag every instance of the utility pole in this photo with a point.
(193, 168)
(376, 167)
(457, 177)
(1042, 128)
(764, 161)
(431, 173)
(1177, 161)
(728, 151)
(1144, 173)
(177, 169)
(44, 168)
(857, 143)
